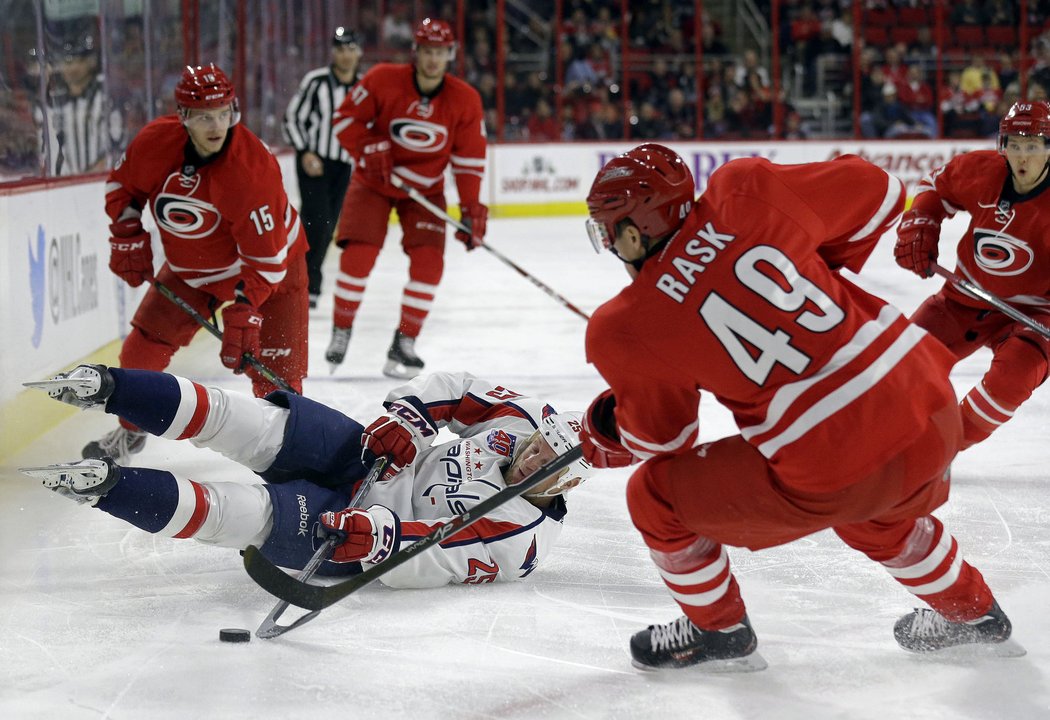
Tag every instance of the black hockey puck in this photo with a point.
(235, 635)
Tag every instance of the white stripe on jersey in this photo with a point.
(893, 192)
(703, 599)
(696, 577)
(846, 393)
(184, 413)
(645, 450)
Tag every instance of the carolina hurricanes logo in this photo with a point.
(999, 254)
(418, 135)
(182, 215)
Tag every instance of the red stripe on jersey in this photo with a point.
(200, 414)
(470, 410)
(483, 530)
(201, 506)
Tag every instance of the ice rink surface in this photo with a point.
(100, 620)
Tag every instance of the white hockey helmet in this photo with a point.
(561, 431)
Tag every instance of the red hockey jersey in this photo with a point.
(427, 132)
(226, 221)
(745, 302)
(1006, 248)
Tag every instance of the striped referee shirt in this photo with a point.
(83, 131)
(308, 120)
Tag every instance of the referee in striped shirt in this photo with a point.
(323, 166)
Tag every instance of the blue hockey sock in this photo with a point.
(146, 398)
(144, 497)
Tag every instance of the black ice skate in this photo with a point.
(681, 644)
(336, 351)
(84, 481)
(927, 631)
(85, 386)
(119, 444)
(401, 359)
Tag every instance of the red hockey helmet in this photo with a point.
(1029, 117)
(434, 33)
(649, 185)
(204, 87)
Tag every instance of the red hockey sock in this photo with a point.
(355, 265)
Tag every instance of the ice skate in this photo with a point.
(84, 481)
(927, 631)
(401, 359)
(336, 351)
(681, 644)
(85, 386)
(119, 444)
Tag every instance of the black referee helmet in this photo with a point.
(345, 36)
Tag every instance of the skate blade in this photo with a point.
(400, 371)
(61, 384)
(45, 471)
(747, 664)
(1006, 649)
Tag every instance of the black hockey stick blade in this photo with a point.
(317, 597)
(269, 627)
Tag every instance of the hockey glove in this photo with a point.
(600, 439)
(241, 324)
(917, 238)
(374, 159)
(368, 536)
(130, 252)
(399, 434)
(475, 217)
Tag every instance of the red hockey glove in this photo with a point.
(130, 252)
(599, 439)
(475, 217)
(241, 324)
(374, 160)
(399, 434)
(369, 536)
(917, 237)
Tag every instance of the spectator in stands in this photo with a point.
(917, 97)
(649, 124)
(999, 12)
(680, 115)
(961, 118)
(581, 72)
(894, 68)
(712, 43)
(748, 63)
(542, 125)
(714, 115)
(610, 121)
(397, 26)
(967, 12)
(893, 120)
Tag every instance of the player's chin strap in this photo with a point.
(317, 597)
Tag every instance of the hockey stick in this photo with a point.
(204, 323)
(269, 628)
(317, 597)
(444, 216)
(978, 292)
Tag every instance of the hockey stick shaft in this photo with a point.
(269, 628)
(444, 216)
(317, 597)
(978, 292)
(210, 327)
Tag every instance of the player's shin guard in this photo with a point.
(425, 268)
(931, 567)
(355, 265)
(227, 514)
(1019, 366)
(162, 404)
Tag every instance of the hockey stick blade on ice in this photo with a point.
(980, 293)
(269, 628)
(204, 323)
(448, 219)
(317, 597)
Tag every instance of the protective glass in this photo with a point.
(599, 235)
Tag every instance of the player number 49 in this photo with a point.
(733, 327)
(262, 218)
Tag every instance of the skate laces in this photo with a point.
(673, 635)
(121, 443)
(928, 623)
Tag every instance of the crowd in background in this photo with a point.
(577, 79)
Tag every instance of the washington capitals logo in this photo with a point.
(530, 559)
(999, 254)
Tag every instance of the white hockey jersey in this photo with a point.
(450, 477)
